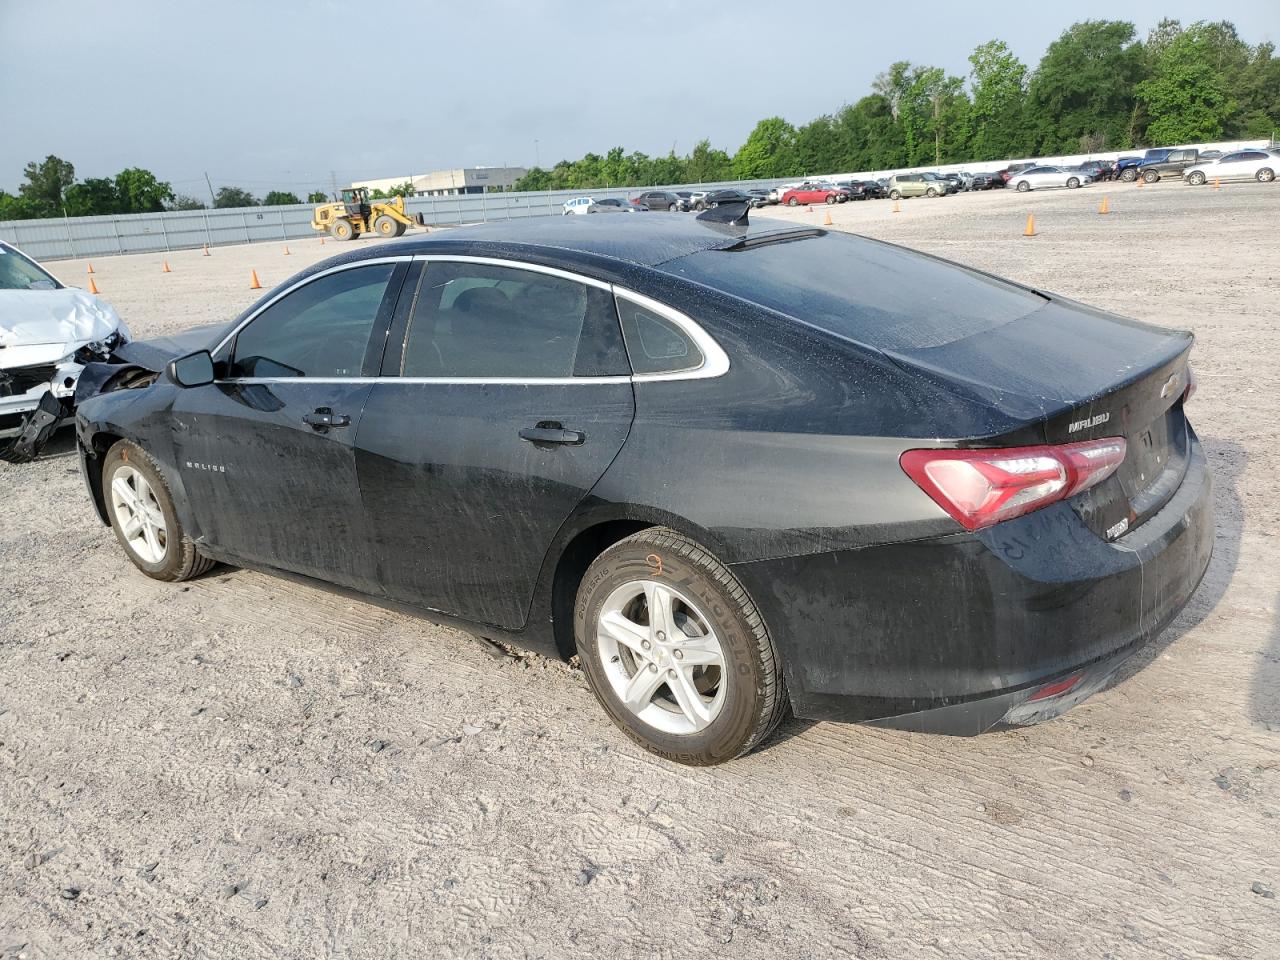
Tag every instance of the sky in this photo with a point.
(297, 94)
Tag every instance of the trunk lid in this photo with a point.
(1068, 372)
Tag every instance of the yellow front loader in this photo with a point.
(354, 215)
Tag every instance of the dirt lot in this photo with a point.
(241, 767)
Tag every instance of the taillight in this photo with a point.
(1190, 392)
(982, 487)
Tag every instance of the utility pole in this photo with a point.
(212, 199)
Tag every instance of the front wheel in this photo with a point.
(1023, 186)
(931, 193)
(1129, 174)
(675, 650)
(831, 198)
(143, 517)
(793, 202)
(1073, 182)
(1196, 179)
(671, 208)
(894, 195)
(1265, 175)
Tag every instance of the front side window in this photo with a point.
(19, 273)
(480, 321)
(319, 330)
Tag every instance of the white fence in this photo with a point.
(74, 237)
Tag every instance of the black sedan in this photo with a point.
(986, 181)
(735, 469)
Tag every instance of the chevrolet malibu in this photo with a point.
(735, 469)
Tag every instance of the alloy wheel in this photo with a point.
(662, 656)
(138, 514)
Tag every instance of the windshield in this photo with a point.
(19, 273)
(874, 293)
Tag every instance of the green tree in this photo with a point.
(279, 198)
(871, 138)
(999, 91)
(706, 164)
(1085, 86)
(1259, 94)
(317, 196)
(14, 208)
(183, 202)
(233, 197)
(45, 184)
(94, 197)
(1186, 95)
(819, 146)
(768, 152)
(140, 192)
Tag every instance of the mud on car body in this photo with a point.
(736, 469)
(48, 332)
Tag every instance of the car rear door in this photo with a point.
(266, 451)
(506, 394)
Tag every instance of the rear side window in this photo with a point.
(479, 321)
(876, 294)
(656, 344)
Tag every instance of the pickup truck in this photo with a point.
(1127, 167)
(1172, 165)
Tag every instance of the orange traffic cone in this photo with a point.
(1217, 183)
(93, 287)
(166, 268)
(826, 219)
(1105, 206)
(206, 249)
(896, 207)
(1141, 181)
(1031, 226)
(286, 249)
(91, 269)
(254, 284)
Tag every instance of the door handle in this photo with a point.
(323, 418)
(549, 431)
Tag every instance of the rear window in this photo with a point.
(879, 295)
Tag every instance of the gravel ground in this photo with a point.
(242, 767)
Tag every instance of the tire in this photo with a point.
(1129, 174)
(1023, 186)
(672, 208)
(793, 202)
(1150, 176)
(1196, 179)
(1073, 183)
(401, 228)
(385, 226)
(745, 685)
(341, 230)
(831, 199)
(894, 195)
(1265, 175)
(177, 559)
(931, 193)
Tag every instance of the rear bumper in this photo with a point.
(953, 635)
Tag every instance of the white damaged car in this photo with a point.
(48, 332)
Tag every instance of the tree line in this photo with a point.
(1097, 87)
(50, 189)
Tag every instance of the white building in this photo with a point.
(441, 183)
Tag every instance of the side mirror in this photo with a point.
(193, 370)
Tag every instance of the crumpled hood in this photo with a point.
(42, 326)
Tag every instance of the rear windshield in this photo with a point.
(882, 296)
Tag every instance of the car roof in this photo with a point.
(643, 241)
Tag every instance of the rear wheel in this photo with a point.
(675, 650)
(1150, 176)
(341, 230)
(1265, 175)
(385, 226)
(143, 517)
(1023, 186)
(1073, 182)
(1196, 178)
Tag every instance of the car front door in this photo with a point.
(266, 451)
(506, 394)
